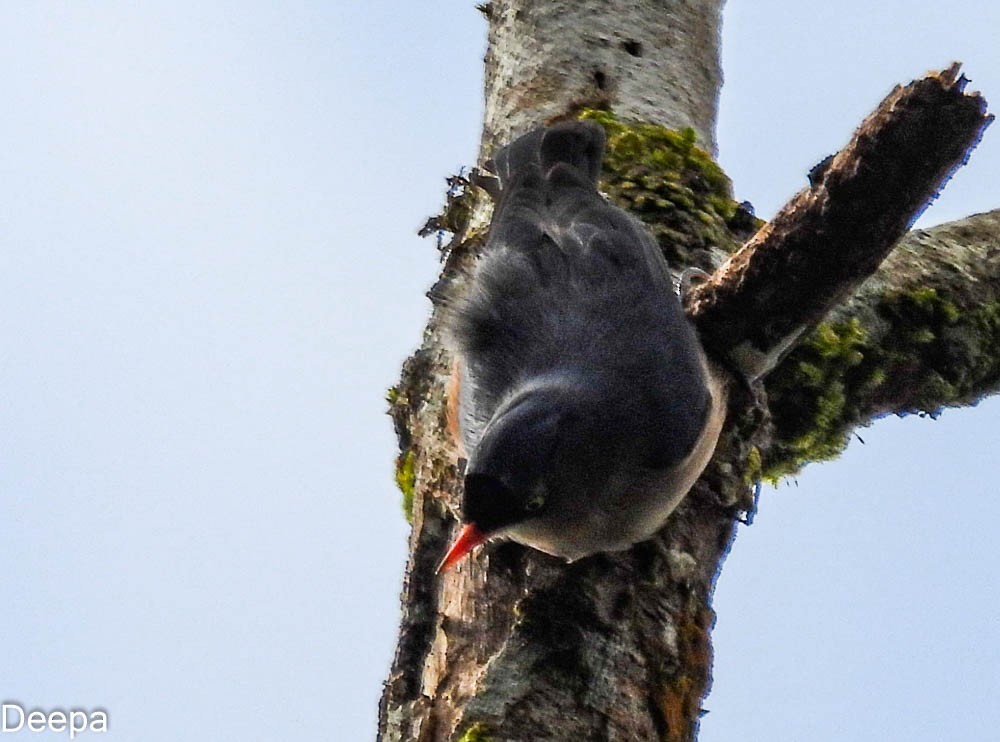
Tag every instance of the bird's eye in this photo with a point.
(536, 503)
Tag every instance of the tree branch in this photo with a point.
(834, 234)
(921, 334)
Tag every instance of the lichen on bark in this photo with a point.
(921, 335)
(662, 176)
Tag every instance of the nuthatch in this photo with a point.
(582, 396)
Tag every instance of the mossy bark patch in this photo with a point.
(918, 352)
(685, 199)
(405, 480)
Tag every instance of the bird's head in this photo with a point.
(507, 482)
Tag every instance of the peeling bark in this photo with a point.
(834, 234)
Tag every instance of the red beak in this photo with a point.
(468, 539)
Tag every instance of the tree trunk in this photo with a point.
(517, 645)
(655, 62)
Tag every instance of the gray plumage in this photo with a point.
(586, 406)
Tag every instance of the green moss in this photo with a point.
(983, 357)
(406, 480)
(919, 315)
(808, 396)
(478, 732)
(754, 467)
(921, 319)
(661, 176)
(658, 174)
(930, 302)
(929, 354)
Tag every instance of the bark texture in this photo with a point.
(516, 645)
(835, 233)
(648, 61)
(921, 334)
(651, 61)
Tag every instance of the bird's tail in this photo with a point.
(579, 144)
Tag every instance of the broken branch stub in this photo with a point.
(835, 233)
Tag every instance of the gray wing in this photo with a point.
(570, 283)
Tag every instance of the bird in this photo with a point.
(581, 396)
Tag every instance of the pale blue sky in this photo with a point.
(209, 277)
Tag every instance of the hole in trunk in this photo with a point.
(633, 47)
